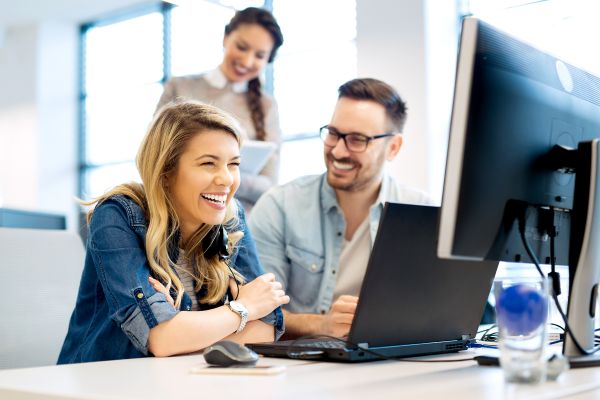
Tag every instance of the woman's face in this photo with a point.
(246, 52)
(205, 179)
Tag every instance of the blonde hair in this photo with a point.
(174, 125)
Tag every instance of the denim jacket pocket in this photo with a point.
(306, 275)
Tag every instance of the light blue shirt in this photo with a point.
(299, 232)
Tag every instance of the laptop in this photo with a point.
(411, 303)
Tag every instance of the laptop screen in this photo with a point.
(409, 295)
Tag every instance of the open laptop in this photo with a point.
(411, 302)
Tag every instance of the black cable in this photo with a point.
(554, 276)
(490, 337)
(353, 346)
(567, 328)
(558, 326)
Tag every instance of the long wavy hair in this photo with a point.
(174, 125)
(263, 18)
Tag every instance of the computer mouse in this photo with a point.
(225, 353)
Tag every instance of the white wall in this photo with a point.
(18, 119)
(411, 44)
(38, 137)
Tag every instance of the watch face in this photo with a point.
(237, 306)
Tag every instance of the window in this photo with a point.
(125, 61)
(121, 84)
(319, 54)
(190, 54)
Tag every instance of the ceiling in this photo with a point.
(25, 12)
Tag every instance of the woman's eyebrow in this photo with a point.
(211, 156)
(214, 157)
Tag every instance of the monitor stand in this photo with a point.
(584, 258)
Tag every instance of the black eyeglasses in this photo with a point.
(354, 142)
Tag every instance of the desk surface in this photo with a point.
(162, 378)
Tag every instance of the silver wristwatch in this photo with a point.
(239, 309)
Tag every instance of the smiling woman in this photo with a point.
(205, 179)
(152, 283)
(251, 41)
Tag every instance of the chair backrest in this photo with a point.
(40, 272)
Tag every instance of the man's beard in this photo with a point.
(361, 181)
(353, 186)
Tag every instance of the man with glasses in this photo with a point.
(316, 232)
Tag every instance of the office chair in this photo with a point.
(40, 272)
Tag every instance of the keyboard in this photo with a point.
(323, 344)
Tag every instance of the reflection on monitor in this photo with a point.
(521, 167)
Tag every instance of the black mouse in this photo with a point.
(225, 353)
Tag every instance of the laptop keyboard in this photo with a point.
(324, 344)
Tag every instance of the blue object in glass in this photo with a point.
(521, 309)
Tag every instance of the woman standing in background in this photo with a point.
(251, 40)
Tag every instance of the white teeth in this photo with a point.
(240, 70)
(217, 198)
(343, 166)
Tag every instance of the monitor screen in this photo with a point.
(513, 104)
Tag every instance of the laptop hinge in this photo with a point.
(363, 345)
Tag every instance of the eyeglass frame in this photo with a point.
(343, 136)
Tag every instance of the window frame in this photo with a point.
(84, 167)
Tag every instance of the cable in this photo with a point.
(353, 346)
(489, 337)
(554, 276)
(567, 328)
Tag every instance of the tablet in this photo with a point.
(254, 155)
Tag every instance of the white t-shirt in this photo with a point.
(353, 262)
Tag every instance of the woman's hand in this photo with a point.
(261, 296)
(159, 287)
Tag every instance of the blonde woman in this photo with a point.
(158, 278)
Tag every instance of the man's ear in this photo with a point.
(393, 147)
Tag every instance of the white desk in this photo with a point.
(169, 378)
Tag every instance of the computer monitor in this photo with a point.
(521, 165)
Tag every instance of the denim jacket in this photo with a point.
(299, 231)
(116, 305)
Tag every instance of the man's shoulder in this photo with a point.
(298, 194)
(302, 186)
(399, 193)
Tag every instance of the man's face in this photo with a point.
(357, 171)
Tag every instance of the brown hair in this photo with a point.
(379, 92)
(258, 16)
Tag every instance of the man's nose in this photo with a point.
(340, 149)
